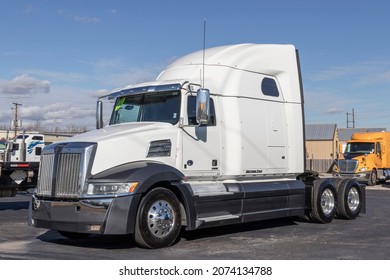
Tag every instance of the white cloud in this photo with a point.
(64, 114)
(23, 85)
(113, 11)
(133, 76)
(109, 64)
(118, 72)
(334, 110)
(68, 77)
(28, 9)
(72, 99)
(11, 53)
(361, 74)
(100, 93)
(87, 19)
(321, 105)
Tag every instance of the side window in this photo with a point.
(269, 87)
(191, 111)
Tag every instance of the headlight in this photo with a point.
(111, 188)
(363, 169)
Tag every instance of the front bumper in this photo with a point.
(113, 215)
(361, 176)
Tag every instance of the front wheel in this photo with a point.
(373, 178)
(158, 220)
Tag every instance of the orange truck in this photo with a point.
(366, 157)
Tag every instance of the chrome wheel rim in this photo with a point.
(327, 202)
(161, 218)
(353, 199)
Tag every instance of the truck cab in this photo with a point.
(366, 157)
(26, 148)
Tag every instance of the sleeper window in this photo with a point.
(269, 87)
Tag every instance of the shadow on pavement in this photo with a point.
(127, 242)
(93, 241)
(237, 228)
(19, 205)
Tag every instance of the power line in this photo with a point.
(353, 119)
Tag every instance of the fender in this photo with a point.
(310, 199)
(146, 173)
(149, 173)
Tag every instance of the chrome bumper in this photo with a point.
(361, 177)
(102, 216)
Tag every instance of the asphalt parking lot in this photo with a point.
(366, 238)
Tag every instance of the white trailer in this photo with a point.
(187, 152)
(19, 164)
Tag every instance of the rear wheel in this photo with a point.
(158, 220)
(324, 202)
(349, 199)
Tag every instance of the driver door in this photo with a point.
(201, 144)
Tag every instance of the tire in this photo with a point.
(324, 202)
(158, 221)
(373, 178)
(73, 235)
(349, 203)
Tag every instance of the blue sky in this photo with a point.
(56, 57)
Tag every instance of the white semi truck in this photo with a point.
(216, 139)
(19, 164)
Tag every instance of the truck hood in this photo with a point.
(127, 142)
(353, 155)
(118, 131)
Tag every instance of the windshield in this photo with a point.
(148, 107)
(361, 148)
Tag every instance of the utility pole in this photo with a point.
(353, 118)
(16, 120)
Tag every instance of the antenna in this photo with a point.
(204, 48)
(202, 94)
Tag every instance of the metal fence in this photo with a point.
(319, 165)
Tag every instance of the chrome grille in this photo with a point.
(68, 172)
(63, 169)
(347, 165)
(45, 175)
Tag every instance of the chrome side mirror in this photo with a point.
(202, 106)
(99, 114)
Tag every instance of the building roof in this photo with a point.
(320, 131)
(346, 133)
